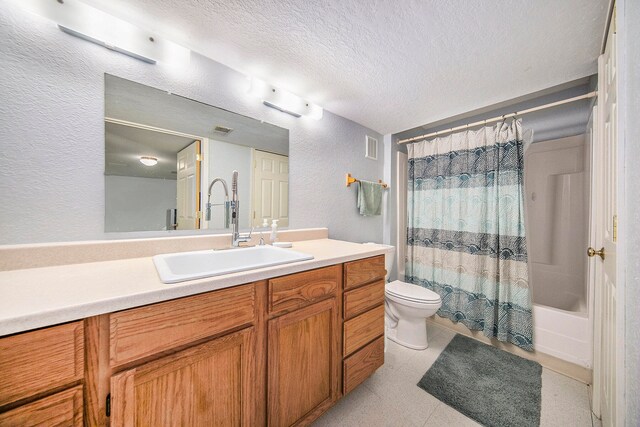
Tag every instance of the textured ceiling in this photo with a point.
(389, 65)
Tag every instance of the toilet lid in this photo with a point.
(411, 292)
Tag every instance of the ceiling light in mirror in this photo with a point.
(148, 161)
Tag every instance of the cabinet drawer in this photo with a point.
(362, 299)
(302, 289)
(363, 271)
(359, 366)
(362, 329)
(37, 361)
(60, 409)
(144, 331)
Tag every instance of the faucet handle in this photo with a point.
(247, 237)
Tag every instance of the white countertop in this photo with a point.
(39, 297)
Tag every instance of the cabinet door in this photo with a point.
(209, 384)
(304, 363)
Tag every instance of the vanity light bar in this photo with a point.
(284, 110)
(283, 100)
(88, 23)
(105, 44)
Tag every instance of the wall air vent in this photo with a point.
(222, 130)
(371, 148)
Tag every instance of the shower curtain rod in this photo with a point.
(499, 118)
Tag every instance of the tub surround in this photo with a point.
(38, 297)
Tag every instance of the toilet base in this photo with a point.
(412, 337)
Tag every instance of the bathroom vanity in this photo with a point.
(278, 351)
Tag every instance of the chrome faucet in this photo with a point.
(227, 204)
(236, 237)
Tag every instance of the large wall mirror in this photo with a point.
(162, 151)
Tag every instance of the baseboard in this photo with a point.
(571, 370)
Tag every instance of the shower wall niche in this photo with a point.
(557, 191)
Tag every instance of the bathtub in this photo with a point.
(557, 175)
(556, 244)
(562, 334)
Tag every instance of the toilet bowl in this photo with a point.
(407, 307)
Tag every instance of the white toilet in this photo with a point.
(407, 307)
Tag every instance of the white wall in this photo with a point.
(629, 24)
(52, 136)
(224, 158)
(138, 204)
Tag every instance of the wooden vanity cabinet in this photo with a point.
(304, 346)
(279, 352)
(190, 361)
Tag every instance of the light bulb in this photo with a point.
(148, 161)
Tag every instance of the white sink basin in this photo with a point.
(182, 266)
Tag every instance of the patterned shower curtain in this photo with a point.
(466, 229)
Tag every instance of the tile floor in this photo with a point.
(390, 397)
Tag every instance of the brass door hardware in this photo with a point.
(592, 252)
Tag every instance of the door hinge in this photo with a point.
(615, 228)
(108, 405)
(198, 214)
(198, 157)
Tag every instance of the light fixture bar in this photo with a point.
(108, 46)
(283, 100)
(81, 20)
(272, 105)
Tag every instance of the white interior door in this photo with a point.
(270, 188)
(188, 192)
(607, 352)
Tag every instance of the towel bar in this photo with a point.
(351, 180)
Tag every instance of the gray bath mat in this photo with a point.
(493, 387)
